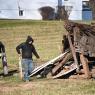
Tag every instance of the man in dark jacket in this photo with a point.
(26, 49)
(3, 56)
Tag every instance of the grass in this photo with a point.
(49, 87)
(47, 36)
(47, 40)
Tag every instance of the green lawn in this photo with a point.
(13, 86)
(47, 40)
(47, 37)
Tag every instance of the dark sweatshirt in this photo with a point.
(27, 49)
(2, 48)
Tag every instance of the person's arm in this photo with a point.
(18, 48)
(35, 52)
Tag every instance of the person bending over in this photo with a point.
(26, 50)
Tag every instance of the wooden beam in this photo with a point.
(73, 51)
(20, 69)
(58, 67)
(10, 73)
(85, 66)
(64, 73)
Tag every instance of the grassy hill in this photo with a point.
(47, 37)
(47, 40)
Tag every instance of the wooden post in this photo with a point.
(73, 51)
(85, 66)
(20, 69)
(76, 33)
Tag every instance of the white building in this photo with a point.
(75, 8)
(29, 9)
(10, 8)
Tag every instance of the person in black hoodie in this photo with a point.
(26, 50)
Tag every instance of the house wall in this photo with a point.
(86, 12)
(76, 12)
(9, 9)
(87, 15)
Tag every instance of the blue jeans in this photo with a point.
(27, 67)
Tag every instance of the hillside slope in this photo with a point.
(47, 37)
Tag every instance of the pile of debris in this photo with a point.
(77, 59)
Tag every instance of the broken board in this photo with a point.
(10, 73)
(72, 68)
(51, 62)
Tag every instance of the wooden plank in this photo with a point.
(20, 69)
(39, 68)
(10, 72)
(63, 72)
(85, 66)
(73, 51)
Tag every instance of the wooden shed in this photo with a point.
(78, 55)
(83, 45)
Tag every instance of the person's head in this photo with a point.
(64, 36)
(29, 40)
(0, 42)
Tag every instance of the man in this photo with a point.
(3, 56)
(26, 49)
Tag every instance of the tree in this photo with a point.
(47, 13)
(62, 13)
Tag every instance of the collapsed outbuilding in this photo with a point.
(78, 54)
